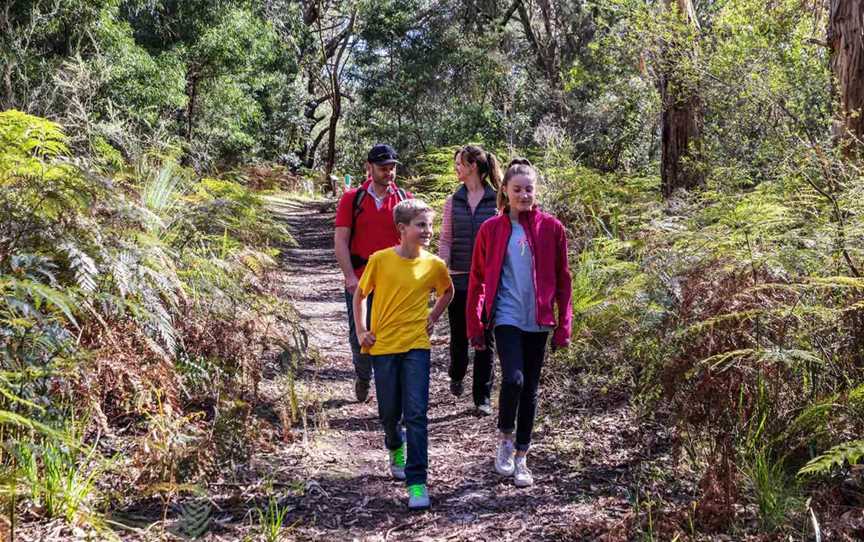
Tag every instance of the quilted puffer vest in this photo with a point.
(465, 226)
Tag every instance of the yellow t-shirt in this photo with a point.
(400, 307)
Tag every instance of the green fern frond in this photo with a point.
(849, 452)
(194, 519)
(813, 419)
(121, 271)
(27, 135)
(40, 294)
(17, 420)
(856, 395)
(256, 261)
(83, 266)
(720, 362)
(837, 282)
(33, 266)
(790, 356)
(159, 320)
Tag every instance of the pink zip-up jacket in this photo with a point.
(552, 284)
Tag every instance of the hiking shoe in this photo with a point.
(484, 409)
(361, 389)
(397, 462)
(456, 388)
(418, 497)
(522, 475)
(504, 458)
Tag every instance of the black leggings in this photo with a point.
(482, 382)
(521, 354)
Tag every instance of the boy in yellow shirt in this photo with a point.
(398, 339)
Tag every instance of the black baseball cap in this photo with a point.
(382, 154)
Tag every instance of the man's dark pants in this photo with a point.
(362, 364)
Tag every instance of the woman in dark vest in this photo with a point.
(473, 203)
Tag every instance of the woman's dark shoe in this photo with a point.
(456, 388)
(361, 389)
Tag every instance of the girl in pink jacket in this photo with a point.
(518, 274)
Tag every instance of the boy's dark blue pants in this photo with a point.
(402, 391)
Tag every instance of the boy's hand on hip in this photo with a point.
(366, 339)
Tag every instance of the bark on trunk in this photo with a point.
(192, 94)
(8, 101)
(846, 42)
(308, 156)
(331, 135)
(544, 43)
(335, 75)
(681, 119)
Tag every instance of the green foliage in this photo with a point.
(148, 86)
(193, 521)
(773, 489)
(729, 310)
(60, 480)
(271, 519)
(121, 279)
(846, 453)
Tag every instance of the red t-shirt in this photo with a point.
(375, 227)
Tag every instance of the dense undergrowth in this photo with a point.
(732, 314)
(736, 317)
(134, 321)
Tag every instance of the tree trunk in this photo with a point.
(336, 105)
(335, 75)
(192, 94)
(8, 101)
(308, 153)
(846, 43)
(681, 118)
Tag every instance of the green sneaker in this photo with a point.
(418, 497)
(397, 462)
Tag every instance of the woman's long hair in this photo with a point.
(488, 167)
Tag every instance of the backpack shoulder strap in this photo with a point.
(401, 195)
(356, 208)
(358, 201)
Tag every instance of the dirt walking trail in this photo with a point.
(585, 457)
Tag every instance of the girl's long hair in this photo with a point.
(517, 166)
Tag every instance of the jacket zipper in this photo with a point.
(529, 234)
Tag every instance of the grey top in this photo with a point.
(515, 303)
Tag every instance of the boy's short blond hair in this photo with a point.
(408, 209)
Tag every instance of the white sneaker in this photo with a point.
(522, 475)
(504, 458)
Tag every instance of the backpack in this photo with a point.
(356, 208)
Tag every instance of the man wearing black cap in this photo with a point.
(364, 224)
